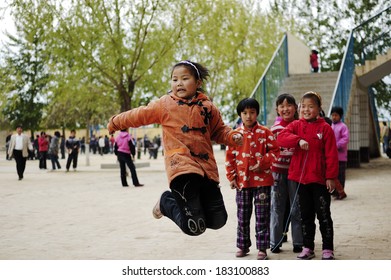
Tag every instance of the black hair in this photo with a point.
(314, 96)
(199, 72)
(57, 133)
(247, 103)
(290, 99)
(337, 110)
(328, 120)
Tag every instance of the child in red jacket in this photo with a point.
(314, 61)
(314, 167)
(248, 169)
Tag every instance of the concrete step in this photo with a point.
(303, 88)
(372, 64)
(297, 85)
(373, 70)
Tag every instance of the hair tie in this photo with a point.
(316, 94)
(191, 64)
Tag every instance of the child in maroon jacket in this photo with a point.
(314, 61)
(314, 167)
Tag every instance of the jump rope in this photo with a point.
(293, 204)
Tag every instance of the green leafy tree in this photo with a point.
(117, 41)
(124, 44)
(100, 50)
(372, 38)
(235, 40)
(27, 74)
(327, 25)
(319, 25)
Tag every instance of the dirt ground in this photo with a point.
(87, 215)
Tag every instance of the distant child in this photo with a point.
(248, 171)
(190, 123)
(384, 136)
(284, 191)
(314, 61)
(339, 189)
(314, 167)
(43, 147)
(54, 150)
(73, 146)
(341, 133)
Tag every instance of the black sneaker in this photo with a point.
(297, 249)
(276, 250)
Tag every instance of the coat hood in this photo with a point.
(123, 134)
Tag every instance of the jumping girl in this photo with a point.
(190, 123)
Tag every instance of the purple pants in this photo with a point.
(245, 198)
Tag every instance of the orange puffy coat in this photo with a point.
(188, 131)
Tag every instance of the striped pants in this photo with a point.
(245, 198)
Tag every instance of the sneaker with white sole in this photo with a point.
(157, 214)
(306, 254)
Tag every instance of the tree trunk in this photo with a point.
(126, 96)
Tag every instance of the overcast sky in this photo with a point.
(6, 22)
(7, 25)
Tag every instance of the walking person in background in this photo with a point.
(36, 147)
(101, 145)
(54, 149)
(43, 144)
(314, 168)
(19, 150)
(106, 148)
(190, 123)
(384, 136)
(83, 145)
(62, 146)
(284, 192)
(341, 133)
(32, 153)
(73, 145)
(112, 142)
(146, 144)
(314, 61)
(7, 144)
(248, 169)
(125, 150)
(93, 144)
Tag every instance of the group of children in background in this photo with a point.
(307, 166)
(296, 161)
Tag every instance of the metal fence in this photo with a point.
(371, 38)
(268, 85)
